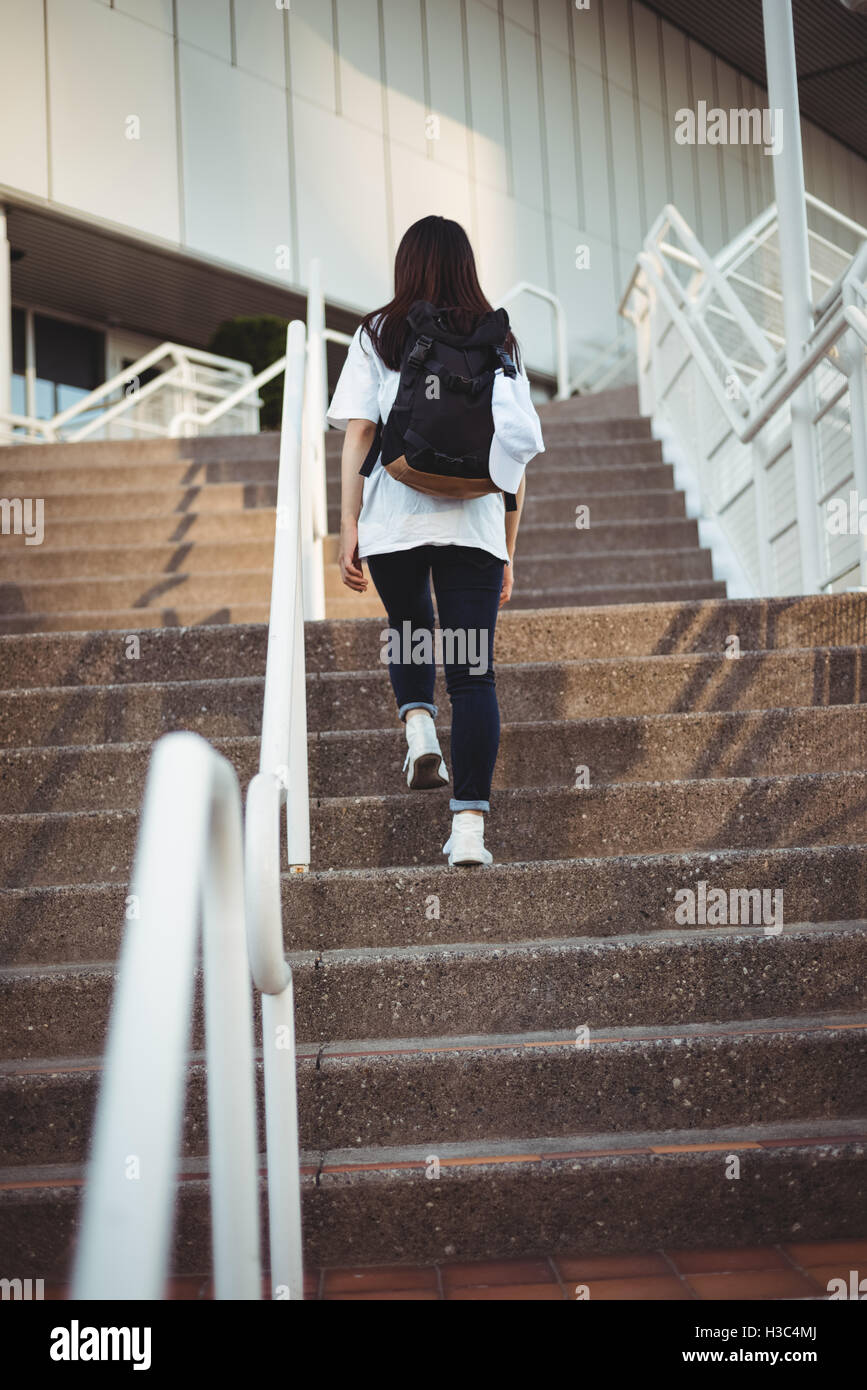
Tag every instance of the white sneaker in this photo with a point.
(423, 764)
(466, 844)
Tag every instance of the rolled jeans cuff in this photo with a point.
(469, 805)
(417, 704)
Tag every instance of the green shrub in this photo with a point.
(259, 341)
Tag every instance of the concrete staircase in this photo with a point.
(452, 1105)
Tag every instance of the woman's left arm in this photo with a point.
(513, 521)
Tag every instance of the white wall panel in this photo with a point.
(629, 230)
(486, 86)
(259, 41)
(207, 24)
(588, 296)
(557, 86)
(594, 163)
(521, 11)
(360, 75)
(23, 130)
(524, 116)
(617, 48)
(653, 133)
(733, 183)
(236, 179)
(156, 12)
(447, 94)
(533, 319)
(647, 57)
(405, 72)
(311, 51)
(112, 68)
(586, 33)
(497, 244)
(342, 217)
(554, 23)
(422, 186)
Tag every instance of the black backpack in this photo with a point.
(438, 434)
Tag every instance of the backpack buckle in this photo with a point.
(421, 350)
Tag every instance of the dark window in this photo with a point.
(68, 354)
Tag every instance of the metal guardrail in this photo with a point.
(190, 858)
(166, 405)
(713, 373)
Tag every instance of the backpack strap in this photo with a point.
(373, 453)
(505, 361)
(511, 501)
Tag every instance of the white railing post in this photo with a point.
(523, 287)
(188, 858)
(5, 323)
(314, 490)
(282, 776)
(285, 666)
(794, 270)
(855, 362)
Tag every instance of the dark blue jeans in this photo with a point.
(467, 582)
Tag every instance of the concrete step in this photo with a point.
(634, 505)
(192, 553)
(650, 505)
(217, 589)
(586, 480)
(582, 567)
(596, 407)
(421, 1091)
(132, 503)
(640, 748)
(348, 700)
(101, 657)
(187, 557)
(669, 977)
(134, 453)
(561, 823)
(607, 1194)
(82, 622)
(567, 451)
(62, 478)
(598, 595)
(161, 528)
(623, 818)
(417, 906)
(589, 428)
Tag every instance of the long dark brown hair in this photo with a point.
(434, 262)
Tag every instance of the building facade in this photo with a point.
(165, 164)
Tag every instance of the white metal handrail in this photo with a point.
(178, 375)
(315, 484)
(188, 861)
(188, 421)
(282, 779)
(524, 287)
(697, 340)
(604, 367)
(190, 857)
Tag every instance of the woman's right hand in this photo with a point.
(350, 566)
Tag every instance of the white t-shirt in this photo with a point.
(393, 515)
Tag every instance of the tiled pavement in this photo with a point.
(752, 1273)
